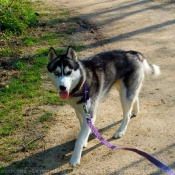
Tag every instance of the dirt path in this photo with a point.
(145, 26)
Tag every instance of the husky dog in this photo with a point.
(123, 69)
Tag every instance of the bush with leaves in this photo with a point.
(16, 15)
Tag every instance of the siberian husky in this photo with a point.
(123, 69)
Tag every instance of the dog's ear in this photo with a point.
(52, 55)
(71, 54)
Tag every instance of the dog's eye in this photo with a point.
(68, 73)
(67, 70)
(57, 73)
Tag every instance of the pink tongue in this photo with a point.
(64, 95)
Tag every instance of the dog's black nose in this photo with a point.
(62, 88)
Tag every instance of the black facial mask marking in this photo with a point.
(62, 61)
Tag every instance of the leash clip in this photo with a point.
(87, 115)
(85, 108)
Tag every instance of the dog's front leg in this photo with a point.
(84, 133)
(80, 118)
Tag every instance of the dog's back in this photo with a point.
(103, 70)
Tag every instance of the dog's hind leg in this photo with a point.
(135, 110)
(130, 104)
(127, 108)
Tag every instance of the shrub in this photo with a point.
(16, 15)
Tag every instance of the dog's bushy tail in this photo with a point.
(151, 69)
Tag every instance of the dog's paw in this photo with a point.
(133, 114)
(118, 134)
(74, 162)
(85, 144)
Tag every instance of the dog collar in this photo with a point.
(85, 94)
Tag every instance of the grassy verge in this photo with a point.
(24, 95)
(16, 16)
(20, 106)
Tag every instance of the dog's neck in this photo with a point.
(78, 88)
(84, 94)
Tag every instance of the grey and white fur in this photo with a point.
(123, 69)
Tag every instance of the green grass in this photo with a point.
(21, 93)
(23, 98)
(64, 13)
(46, 117)
(51, 39)
(59, 15)
(16, 16)
(78, 47)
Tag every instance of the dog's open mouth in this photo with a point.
(64, 94)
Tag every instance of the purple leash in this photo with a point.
(149, 157)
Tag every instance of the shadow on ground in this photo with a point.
(61, 155)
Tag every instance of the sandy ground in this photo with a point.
(145, 26)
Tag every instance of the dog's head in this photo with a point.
(63, 70)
